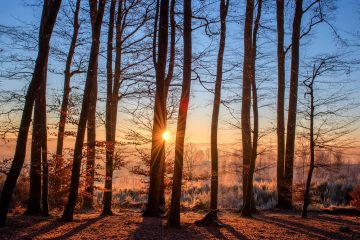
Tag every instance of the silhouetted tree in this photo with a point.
(48, 19)
(96, 14)
(174, 213)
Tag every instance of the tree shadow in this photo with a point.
(80, 228)
(215, 231)
(295, 226)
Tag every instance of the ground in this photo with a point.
(129, 224)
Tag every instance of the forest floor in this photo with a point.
(129, 224)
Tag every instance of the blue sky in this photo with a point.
(13, 12)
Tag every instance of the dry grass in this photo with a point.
(127, 224)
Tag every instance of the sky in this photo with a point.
(347, 21)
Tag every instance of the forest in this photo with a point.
(179, 119)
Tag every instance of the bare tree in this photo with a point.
(174, 214)
(96, 13)
(48, 19)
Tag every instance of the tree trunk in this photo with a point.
(245, 107)
(44, 150)
(110, 124)
(249, 204)
(216, 108)
(34, 202)
(46, 28)
(255, 108)
(174, 214)
(291, 125)
(59, 173)
(168, 80)
(312, 147)
(95, 13)
(280, 130)
(159, 123)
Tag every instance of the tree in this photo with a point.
(159, 122)
(280, 128)
(96, 14)
(51, 7)
(328, 127)
(66, 95)
(174, 214)
(249, 89)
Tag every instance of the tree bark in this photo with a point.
(59, 173)
(110, 124)
(168, 80)
(46, 28)
(174, 214)
(159, 123)
(291, 125)
(312, 147)
(280, 130)
(224, 5)
(44, 150)
(34, 202)
(245, 107)
(95, 13)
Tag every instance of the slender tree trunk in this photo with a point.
(95, 13)
(34, 202)
(291, 125)
(280, 130)
(110, 124)
(249, 204)
(255, 108)
(168, 80)
(245, 107)
(312, 148)
(46, 28)
(216, 108)
(44, 151)
(65, 101)
(174, 214)
(159, 124)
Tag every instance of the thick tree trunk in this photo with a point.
(110, 121)
(159, 123)
(280, 130)
(216, 108)
(59, 173)
(245, 107)
(174, 214)
(95, 13)
(291, 125)
(46, 28)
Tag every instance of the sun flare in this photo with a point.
(166, 135)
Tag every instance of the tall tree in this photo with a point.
(245, 106)
(174, 214)
(65, 100)
(280, 129)
(159, 123)
(224, 6)
(46, 28)
(110, 138)
(291, 124)
(96, 14)
(248, 197)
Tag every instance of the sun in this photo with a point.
(166, 135)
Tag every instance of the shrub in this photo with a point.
(355, 195)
